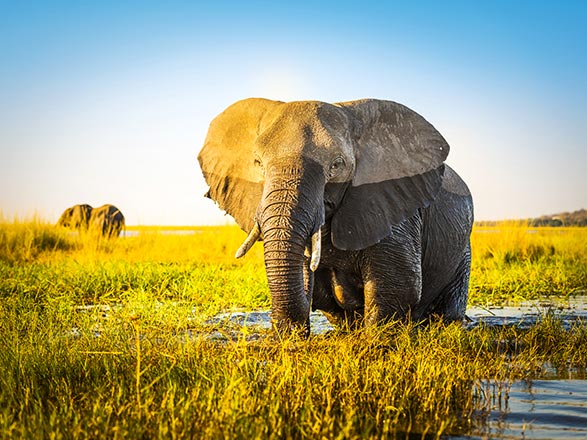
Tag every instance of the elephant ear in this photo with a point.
(399, 169)
(228, 159)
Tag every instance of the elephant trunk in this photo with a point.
(291, 212)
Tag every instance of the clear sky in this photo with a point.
(109, 101)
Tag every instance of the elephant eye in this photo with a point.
(336, 167)
(259, 164)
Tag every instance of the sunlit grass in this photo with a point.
(365, 384)
(514, 262)
(107, 339)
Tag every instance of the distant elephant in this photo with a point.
(107, 220)
(359, 215)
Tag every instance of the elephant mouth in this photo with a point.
(314, 250)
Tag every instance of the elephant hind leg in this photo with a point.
(451, 303)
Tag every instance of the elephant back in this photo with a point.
(76, 217)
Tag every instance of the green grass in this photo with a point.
(513, 262)
(141, 364)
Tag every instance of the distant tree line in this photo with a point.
(575, 218)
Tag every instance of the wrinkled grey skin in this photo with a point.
(367, 180)
(107, 220)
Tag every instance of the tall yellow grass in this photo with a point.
(107, 338)
(513, 262)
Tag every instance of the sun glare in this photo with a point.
(280, 83)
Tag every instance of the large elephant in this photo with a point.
(107, 220)
(359, 215)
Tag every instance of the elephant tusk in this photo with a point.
(249, 241)
(316, 249)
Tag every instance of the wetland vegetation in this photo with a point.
(111, 339)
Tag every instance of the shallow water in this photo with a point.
(525, 314)
(539, 409)
(262, 320)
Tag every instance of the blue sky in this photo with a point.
(109, 102)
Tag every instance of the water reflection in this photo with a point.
(540, 409)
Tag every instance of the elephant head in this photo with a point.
(76, 217)
(297, 173)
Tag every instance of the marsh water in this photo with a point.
(524, 315)
(551, 408)
(540, 409)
